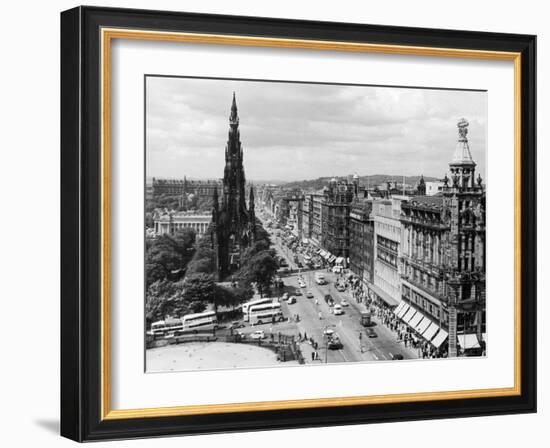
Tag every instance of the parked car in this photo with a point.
(371, 333)
(301, 284)
(309, 295)
(285, 296)
(258, 334)
(297, 292)
(397, 356)
(338, 309)
(291, 300)
(344, 302)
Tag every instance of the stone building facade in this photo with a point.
(335, 209)
(169, 222)
(361, 244)
(387, 245)
(443, 261)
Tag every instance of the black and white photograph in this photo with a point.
(296, 224)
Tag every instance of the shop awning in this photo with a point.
(422, 325)
(468, 341)
(408, 315)
(430, 332)
(399, 308)
(416, 318)
(440, 338)
(384, 295)
(331, 259)
(406, 307)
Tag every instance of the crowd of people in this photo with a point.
(385, 315)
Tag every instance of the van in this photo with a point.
(319, 278)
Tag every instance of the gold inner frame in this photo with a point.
(107, 35)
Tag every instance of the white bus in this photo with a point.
(246, 306)
(166, 327)
(204, 321)
(263, 314)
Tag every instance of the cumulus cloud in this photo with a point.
(293, 131)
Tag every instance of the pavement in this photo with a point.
(210, 355)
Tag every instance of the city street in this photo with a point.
(315, 316)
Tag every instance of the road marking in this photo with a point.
(343, 356)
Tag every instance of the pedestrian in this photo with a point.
(312, 356)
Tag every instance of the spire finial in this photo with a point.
(234, 117)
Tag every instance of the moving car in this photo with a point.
(397, 357)
(371, 333)
(328, 332)
(297, 292)
(344, 302)
(319, 278)
(338, 309)
(237, 324)
(335, 343)
(258, 334)
(291, 300)
(340, 287)
(301, 284)
(309, 295)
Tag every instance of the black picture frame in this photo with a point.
(81, 224)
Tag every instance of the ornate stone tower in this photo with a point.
(464, 202)
(421, 187)
(234, 224)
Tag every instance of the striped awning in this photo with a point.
(422, 325)
(399, 308)
(406, 307)
(440, 338)
(430, 332)
(409, 315)
(416, 318)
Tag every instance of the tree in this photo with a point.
(167, 256)
(166, 298)
(184, 241)
(260, 269)
(199, 287)
(204, 260)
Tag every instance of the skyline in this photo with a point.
(326, 130)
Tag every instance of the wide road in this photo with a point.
(315, 317)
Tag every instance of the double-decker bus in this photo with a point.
(246, 306)
(263, 314)
(166, 327)
(203, 321)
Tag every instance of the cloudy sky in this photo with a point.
(303, 131)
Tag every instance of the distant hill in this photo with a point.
(372, 180)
